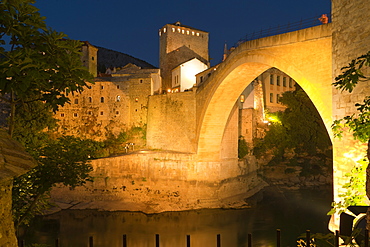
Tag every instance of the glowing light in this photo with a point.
(169, 90)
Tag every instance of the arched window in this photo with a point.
(118, 98)
(90, 99)
(102, 99)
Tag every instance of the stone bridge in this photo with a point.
(204, 122)
(199, 127)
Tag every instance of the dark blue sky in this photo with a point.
(131, 26)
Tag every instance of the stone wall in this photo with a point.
(7, 233)
(112, 105)
(351, 38)
(154, 182)
(171, 122)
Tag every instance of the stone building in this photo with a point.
(178, 44)
(113, 104)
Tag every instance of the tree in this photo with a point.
(36, 62)
(299, 127)
(39, 68)
(65, 161)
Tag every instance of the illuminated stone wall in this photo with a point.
(171, 122)
(153, 182)
(112, 105)
(351, 38)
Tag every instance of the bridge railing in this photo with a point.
(304, 241)
(280, 29)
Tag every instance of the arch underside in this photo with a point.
(308, 63)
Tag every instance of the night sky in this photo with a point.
(132, 26)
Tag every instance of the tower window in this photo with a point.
(173, 29)
(76, 101)
(102, 99)
(62, 114)
(117, 86)
(89, 112)
(75, 114)
(92, 58)
(90, 99)
(117, 112)
(101, 87)
(164, 30)
(101, 113)
(118, 98)
(141, 81)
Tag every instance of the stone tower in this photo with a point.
(177, 44)
(89, 57)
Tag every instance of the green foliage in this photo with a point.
(352, 74)
(299, 129)
(39, 68)
(354, 190)
(36, 62)
(242, 147)
(359, 123)
(65, 161)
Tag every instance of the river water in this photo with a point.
(291, 211)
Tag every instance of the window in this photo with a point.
(117, 86)
(164, 30)
(102, 99)
(141, 81)
(92, 58)
(277, 98)
(118, 98)
(101, 113)
(290, 82)
(75, 114)
(90, 99)
(136, 99)
(271, 97)
(284, 81)
(89, 112)
(76, 101)
(278, 80)
(201, 79)
(62, 114)
(271, 79)
(101, 87)
(117, 112)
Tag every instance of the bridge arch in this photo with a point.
(305, 55)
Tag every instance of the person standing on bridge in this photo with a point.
(324, 19)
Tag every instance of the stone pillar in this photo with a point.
(351, 38)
